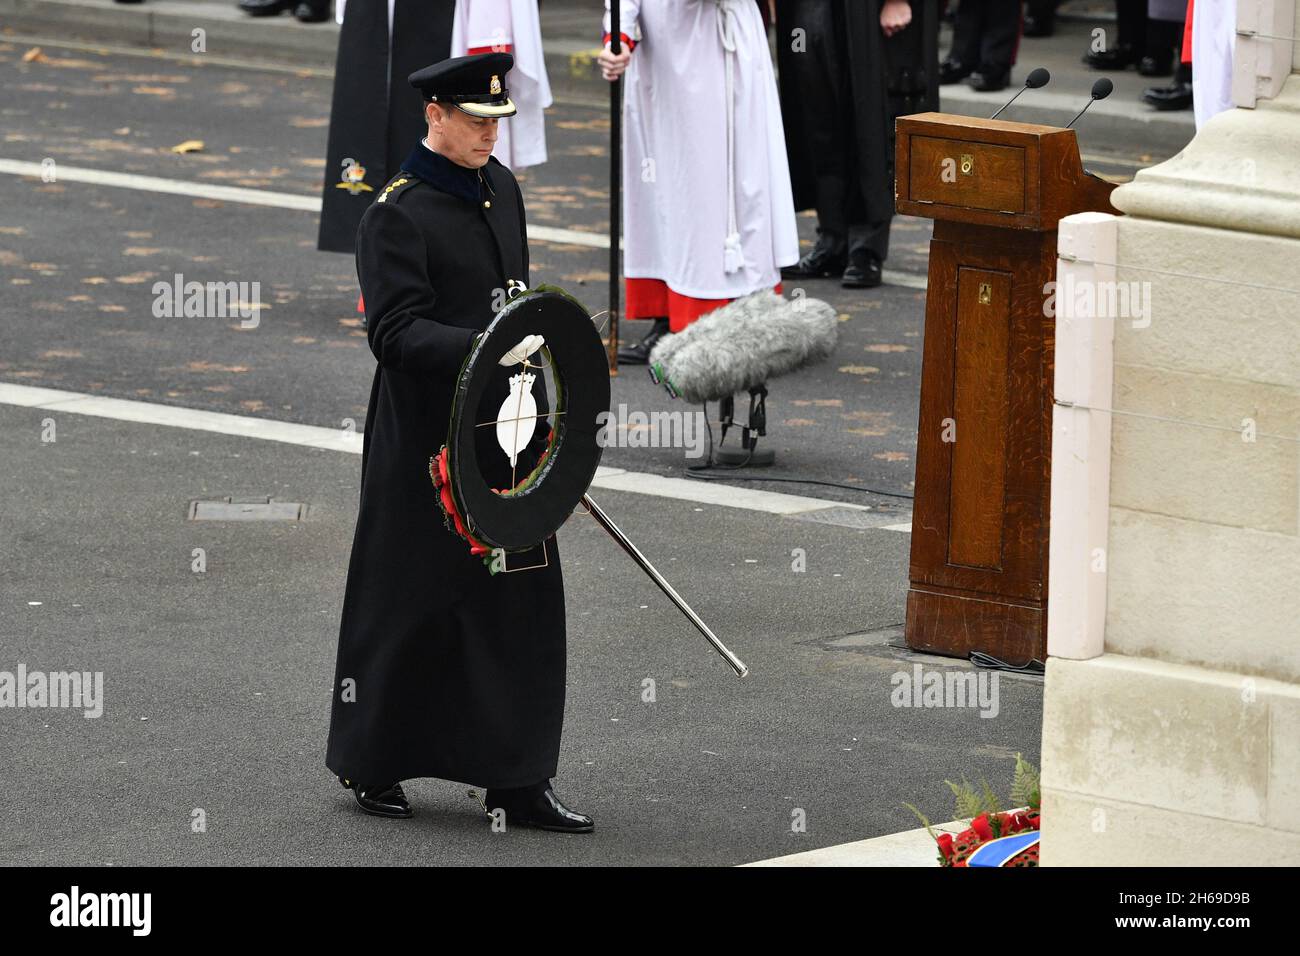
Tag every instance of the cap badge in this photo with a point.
(495, 88)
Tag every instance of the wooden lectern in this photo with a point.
(995, 191)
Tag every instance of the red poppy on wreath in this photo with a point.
(452, 517)
(450, 514)
(945, 847)
(1027, 857)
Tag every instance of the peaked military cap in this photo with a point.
(470, 83)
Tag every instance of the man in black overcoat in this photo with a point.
(848, 68)
(444, 669)
(376, 115)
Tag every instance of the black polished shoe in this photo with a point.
(1156, 65)
(638, 353)
(1175, 96)
(538, 807)
(265, 8)
(309, 12)
(989, 81)
(863, 271)
(953, 71)
(821, 263)
(383, 801)
(1117, 58)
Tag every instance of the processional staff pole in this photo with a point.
(615, 183)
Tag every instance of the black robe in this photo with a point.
(851, 76)
(458, 673)
(376, 115)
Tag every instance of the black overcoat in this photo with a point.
(457, 673)
(869, 81)
(376, 114)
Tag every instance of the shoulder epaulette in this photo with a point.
(397, 187)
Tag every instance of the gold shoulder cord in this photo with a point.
(391, 186)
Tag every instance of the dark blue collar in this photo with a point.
(441, 173)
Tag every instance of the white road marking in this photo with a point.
(278, 200)
(157, 184)
(905, 527)
(251, 197)
(339, 439)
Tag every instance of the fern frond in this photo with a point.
(969, 804)
(1025, 785)
(924, 822)
(989, 799)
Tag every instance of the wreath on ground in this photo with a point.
(988, 821)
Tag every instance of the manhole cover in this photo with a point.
(246, 509)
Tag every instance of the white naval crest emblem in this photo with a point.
(517, 417)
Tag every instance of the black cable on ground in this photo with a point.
(696, 471)
(980, 659)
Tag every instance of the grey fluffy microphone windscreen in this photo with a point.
(744, 344)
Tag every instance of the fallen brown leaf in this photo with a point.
(214, 367)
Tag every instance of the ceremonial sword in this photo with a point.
(604, 521)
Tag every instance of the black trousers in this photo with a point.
(830, 126)
(1131, 23)
(985, 34)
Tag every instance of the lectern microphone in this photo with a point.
(1037, 78)
(1100, 90)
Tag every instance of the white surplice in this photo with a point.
(513, 25)
(709, 227)
(1214, 33)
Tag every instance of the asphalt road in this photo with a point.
(217, 684)
(80, 262)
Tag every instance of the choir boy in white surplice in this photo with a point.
(708, 214)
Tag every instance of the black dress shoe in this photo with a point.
(538, 807)
(953, 71)
(1156, 65)
(265, 8)
(382, 801)
(821, 263)
(863, 271)
(1116, 58)
(638, 353)
(312, 12)
(1175, 96)
(989, 81)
